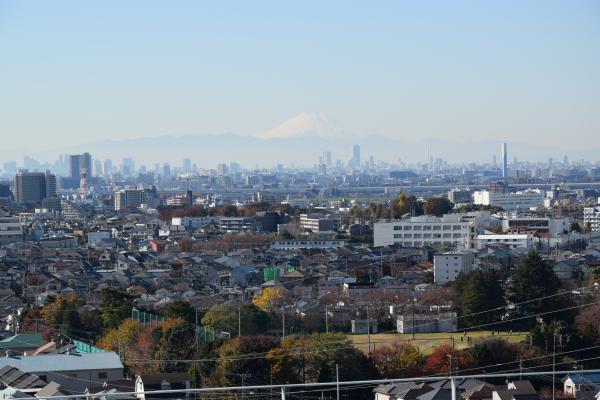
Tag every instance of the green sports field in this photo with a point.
(426, 342)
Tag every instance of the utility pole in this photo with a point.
(197, 329)
(520, 368)
(283, 320)
(553, 363)
(413, 317)
(326, 320)
(240, 321)
(337, 380)
(369, 329)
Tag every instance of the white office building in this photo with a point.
(524, 200)
(454, 230)
(541, 225)
(513, 241)
(447, 266)
(193, 223)
(591, 215)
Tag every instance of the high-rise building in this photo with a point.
(327, 158)
(78, 163)
(504, 161)
(355, 160)
(128, 166)
(222, 169)
(108, 166)
(130, 199)
(33, 187)
(97, 168)
(166, 171)
(187, 165)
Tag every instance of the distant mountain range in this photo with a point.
(298, 141)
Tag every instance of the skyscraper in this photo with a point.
(187, 165)
(78, 163)
(504, 161)
(327, 158)
(33, 187)
(355, 160)
(128, 166)
(108, 166)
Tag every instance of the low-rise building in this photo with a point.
(73, 372)
(591, 216)
(447, 266)
(10, 230)
(427, 323)
(523, 200)
(319, 223)
(512, 241)
(541, 225)
(453, 230)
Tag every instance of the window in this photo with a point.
(102, 375)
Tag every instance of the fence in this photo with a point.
(83, 347)
(204, 333)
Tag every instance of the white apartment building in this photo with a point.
(524, 200)
(591, 215)
(10, 230)
(456, 230)
(319, 223)
(193, 223)
(513, 241)
(447, 266)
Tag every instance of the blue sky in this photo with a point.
(79, 71)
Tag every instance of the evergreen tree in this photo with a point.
(483, 296)
(533, 279)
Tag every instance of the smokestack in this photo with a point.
(504, 161)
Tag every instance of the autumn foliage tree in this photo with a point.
(443, 356)
(269, 299)
(397, 361)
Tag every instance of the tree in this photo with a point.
(437, 206)
(269, 299)
(575, 227)
(406, 205)
(122, 338)
(313, 359)
(115, 306)
(481, 292)
(181, 309)
(587, 323)
(442, 356)
(546, 335)
(492, 355)
(185, 244)
(224, 317)
(176, 342)
(244, 356)
(534, 279)
(396, 361)
(62, 314)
